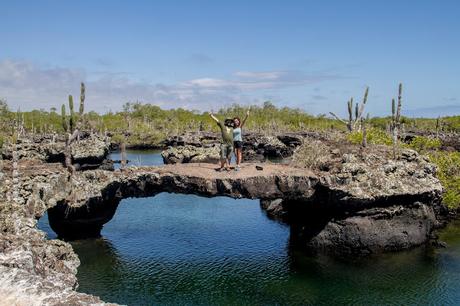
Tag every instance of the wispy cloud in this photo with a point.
(256, 80)
(269, 75)
(27, 85)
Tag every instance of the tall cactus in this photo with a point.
(72, 114)
(82, 99)
(364, 123)
(396, 120)
(438, 124)
(354, 121)
(64, 119)
(350, 114)
(72, 126)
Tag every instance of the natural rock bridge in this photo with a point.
(362, 208)
(97, 193)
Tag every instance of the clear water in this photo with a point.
(176, 249)
(139, 158)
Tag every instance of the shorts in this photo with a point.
(238, 144)
(226, 151)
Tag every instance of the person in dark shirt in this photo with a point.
(226, 145)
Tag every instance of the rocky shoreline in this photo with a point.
(362, 202)
(33, 269)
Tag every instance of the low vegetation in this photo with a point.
(373, 135)
(448, 164)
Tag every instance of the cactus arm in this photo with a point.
(398, 111)
(336, 117)
(350, 110)
(72, 114)
(361, 108)
(63, 118)
(82, 99)
(393, 111)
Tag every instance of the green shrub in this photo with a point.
(118, 138)
(423, 144)
(448, 164)
(374, 136)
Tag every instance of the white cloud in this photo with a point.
(271, 75)
(253, 80)
(207, 83)
(27, 85)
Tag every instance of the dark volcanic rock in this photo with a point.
(87, 153)
(191, 154)
(255, 146)
(269, 146)
(274, 209)
(199, 139)
(376, 230)
(450, 141)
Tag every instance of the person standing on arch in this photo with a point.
(226, 145)
(238, 139)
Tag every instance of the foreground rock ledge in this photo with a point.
(33, 269)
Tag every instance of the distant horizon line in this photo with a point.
(243, 106)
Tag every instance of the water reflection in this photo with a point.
(183, 249)
(186, 249)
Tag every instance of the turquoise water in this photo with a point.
(176, 249)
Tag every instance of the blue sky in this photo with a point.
(202, 55)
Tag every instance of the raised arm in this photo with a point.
(245, 118)
(214, 118)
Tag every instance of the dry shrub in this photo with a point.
(313, 154)
(335, 136)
